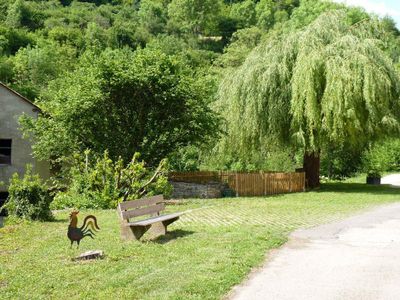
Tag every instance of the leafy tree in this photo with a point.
(6, 69)
(16, 14)
(95, 36)
(124, 102)
(244, 13)
(11, 40)
(308, 11)
(23, 14)
(393, 38)
(194, 16)
(270, 12)
(67, 36)
(123, 31)
(35, 66)
(152, 16)
(325, 84)
(242, 42)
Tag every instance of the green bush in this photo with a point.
(102, 183)
(340, 161)
(29, 197)
(382, 156)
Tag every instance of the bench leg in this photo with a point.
(170, 221)
(160, 228)
(129, 233)
(157, 229)
(136, 232)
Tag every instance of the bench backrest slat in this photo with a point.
(127, 214)
(141, 202)
(145, 206)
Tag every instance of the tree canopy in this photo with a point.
(75, 58)
(327, 83)
(124, 102)
(330, 82)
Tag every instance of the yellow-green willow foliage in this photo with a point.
(327, 83)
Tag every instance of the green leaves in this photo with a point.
(100, 182)
(28, 197)
(125, 102)
(327, 83)
(194, 16)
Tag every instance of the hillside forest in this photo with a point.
(206, 84)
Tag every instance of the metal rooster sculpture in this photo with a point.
(75, 234)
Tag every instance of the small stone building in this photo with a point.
(15, 152)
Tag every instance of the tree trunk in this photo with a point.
(311, 166)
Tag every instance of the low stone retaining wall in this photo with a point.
(196, 190)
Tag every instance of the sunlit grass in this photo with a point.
(208, 251)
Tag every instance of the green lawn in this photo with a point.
(211, 249)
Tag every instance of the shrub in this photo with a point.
(382, 156)
(29, 197)
(103, 183)
(340, 161)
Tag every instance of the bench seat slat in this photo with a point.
(141, 202)
(143, 211)
(154, 220)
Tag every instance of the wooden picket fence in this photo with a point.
(248, 183)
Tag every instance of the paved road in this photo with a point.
(357, 258)
(393, 179)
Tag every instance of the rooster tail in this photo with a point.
(91, 221)
(91, 225)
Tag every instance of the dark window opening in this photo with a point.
(5, 151)
(3, 198)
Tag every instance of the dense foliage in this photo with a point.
(29, 198)
(128, 76)
(33, 32)
(123, 101)
(341, 160)
(329, 83)
(382, 156)
(103, 183)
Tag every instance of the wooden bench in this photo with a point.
(156, 224)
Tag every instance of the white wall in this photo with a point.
(11, 107)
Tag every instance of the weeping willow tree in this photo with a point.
(325, 84)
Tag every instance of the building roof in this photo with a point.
(20, 96)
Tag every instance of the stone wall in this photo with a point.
(195, 190)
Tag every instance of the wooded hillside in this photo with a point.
(130, 75)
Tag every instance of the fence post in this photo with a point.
(237, 184)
